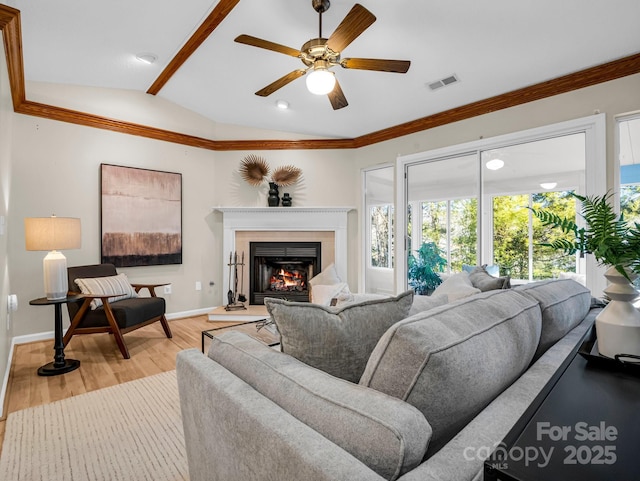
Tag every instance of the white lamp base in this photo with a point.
(56, 284)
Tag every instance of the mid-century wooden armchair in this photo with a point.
(113, 316)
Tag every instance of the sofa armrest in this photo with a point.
(233, 433)
(385, 433)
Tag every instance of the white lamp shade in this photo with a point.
(52, 233)
(321, 81)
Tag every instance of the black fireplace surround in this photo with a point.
(282, 270)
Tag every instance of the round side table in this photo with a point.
(60, 365)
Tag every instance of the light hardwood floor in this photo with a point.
(101, 364)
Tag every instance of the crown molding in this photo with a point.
(10, 27)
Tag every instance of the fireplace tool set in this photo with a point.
(235, 299)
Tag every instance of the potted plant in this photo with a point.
(616, 244)
(423, 269)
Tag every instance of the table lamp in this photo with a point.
(53, 234)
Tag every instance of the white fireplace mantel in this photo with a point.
(333, 219)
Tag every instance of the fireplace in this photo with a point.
(282, 270)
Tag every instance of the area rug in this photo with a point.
(128, 432)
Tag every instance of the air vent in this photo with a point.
(451, 79)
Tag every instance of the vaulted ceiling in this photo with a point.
(503, 53)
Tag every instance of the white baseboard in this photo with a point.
(195, 312)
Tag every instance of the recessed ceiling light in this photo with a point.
(147, 58)
(495, 164)
(282, 104)
(548, 185)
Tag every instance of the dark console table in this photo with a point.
(585, 426)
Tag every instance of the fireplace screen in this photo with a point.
(282, 270)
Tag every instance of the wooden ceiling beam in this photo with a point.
(217, 15)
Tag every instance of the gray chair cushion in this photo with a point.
(564, 303)
(386, 434)
(337, 340)
(453, 360)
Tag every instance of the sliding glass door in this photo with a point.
(474, 201)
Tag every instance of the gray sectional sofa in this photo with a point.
(437, 391)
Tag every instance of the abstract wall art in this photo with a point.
(141, 216)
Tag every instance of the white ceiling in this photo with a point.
(493, 47)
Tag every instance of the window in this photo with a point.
(518, 236)
(628, 135)
(629, 157)
(378, 230)
(452, 225)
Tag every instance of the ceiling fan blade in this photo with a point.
(281, 82)
(398, 66)
(357, 21)
(337, 98)
(276, 47)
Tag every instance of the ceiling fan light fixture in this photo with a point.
(321, 81)
(282, 104)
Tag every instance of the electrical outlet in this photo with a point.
(198, 286)
(167, 289)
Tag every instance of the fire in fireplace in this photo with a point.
(282, 269)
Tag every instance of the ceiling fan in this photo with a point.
(320, 54)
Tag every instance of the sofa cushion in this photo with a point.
(338, 340)
(564, 303)
(106, 286)
(453, 360)
(456, 286)
(386, 434)
(484, 281)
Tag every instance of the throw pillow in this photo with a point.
(457, 286)
(580, 278)
(493, 270)
(327, 277)
(117, 286)
(323, 294)
(484, 281)
(336, 340)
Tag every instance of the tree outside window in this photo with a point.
(381, 236)
(517, 236)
